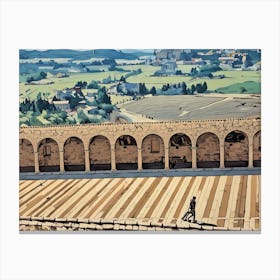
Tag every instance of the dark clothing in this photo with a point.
(192, 204)
(191, 212)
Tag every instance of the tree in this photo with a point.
(93, 84)
(43, 75)
(153, 91)
(81, 84)
(199, 88)
(122, 79)
(192, 89)
(184, 88)
(204, 87)
(142, 89)
(103, 97)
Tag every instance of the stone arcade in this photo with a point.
(159, 145)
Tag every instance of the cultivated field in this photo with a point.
(187, 107)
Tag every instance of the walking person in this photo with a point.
(191, 212)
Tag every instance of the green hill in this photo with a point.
(245, 87)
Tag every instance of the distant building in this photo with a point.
(62, 94)
(168, 68)
(62, 105)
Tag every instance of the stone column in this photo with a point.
(166, 158)
(113, 159)
(36, 162)
(87, 164)
(250, 163)
(194, 157)
(222, 155)
(140, 159)
(61, 161)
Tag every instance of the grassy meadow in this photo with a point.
(231, 78)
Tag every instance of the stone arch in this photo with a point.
(26, 156)
(236, 149)
(208, 150)
(100, 153)
(48, 155)
(180, 151)
(74, 154)
(257, 149)
(152, 152)
(126, 153)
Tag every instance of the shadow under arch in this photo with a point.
(257, 149)
(126, 153)
(208, 150)
(48, 155)
(74, 154)
(26, 156)
(153, 152)
(180, 151)
(236, 149)
(100, 153)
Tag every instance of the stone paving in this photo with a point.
(227, 202)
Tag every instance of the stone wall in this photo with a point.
(26, 153)
(126, 154)
(81, 152)
(74, 153)
(100, 150)
(257, 146)
(208, 147)
(48, 153)
(238, 151)
(152, 149)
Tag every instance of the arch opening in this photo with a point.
(257, 149)
(180, 151)
(48, 155)
(126, 153)
(236, 149)
(208, 150)
(74, 154)
(153, 152)
(26, 156)
(100, 153)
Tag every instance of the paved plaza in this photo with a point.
(226, 202)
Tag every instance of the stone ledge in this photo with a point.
(58, 224)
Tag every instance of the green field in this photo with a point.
(246, 87)
(231, 78)
(31, 91)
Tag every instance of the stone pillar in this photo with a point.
(250, 161)
(87, 164)
(61, 161)
(222, 156)
(36, 162)
(166, 158)
(140, 159)
(194, 157)
(113, 159)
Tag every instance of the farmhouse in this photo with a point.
(168, 68)
(62, 94)
(62, 105)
